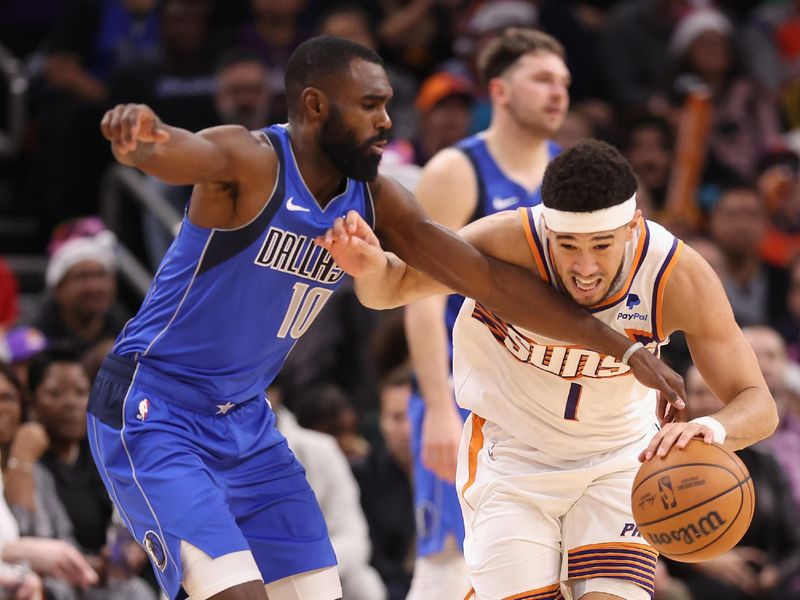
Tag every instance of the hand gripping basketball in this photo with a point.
(693, 504)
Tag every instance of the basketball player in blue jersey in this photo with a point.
(178, 422)
(496, 170)
(557, 431)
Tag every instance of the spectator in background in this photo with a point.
(242, 95)
(9, 296)
(61, 495)
(80, 278)
(772, 39)
(276, 29)
(634, 52)
(784, 444)
(23, 344)
(575, 128)
(91, 40)
(327, 409)
(779, 185)
(330, 477)
(744, 122)
(790, 327)
(765, 564)
(444, 104)
(756, 290)
(56, 560)
(385, 482)
(179, 83)
(353, 22)
(648, 145)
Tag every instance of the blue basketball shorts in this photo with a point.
(220, 477)
(438, 512)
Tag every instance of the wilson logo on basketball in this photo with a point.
(704, 527)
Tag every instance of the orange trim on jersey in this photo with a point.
(475, 445)
(525, 215)
(659, 329)
(542, 593)
(470, 594)
(637, 259)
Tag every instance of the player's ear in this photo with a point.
(632, 225)
(498, 89)
(315, 103)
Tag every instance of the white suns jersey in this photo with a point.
(567, 401)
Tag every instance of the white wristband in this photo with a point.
(629, 352)
(715, 426)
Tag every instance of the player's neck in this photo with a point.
(521, 155)
(322, 179)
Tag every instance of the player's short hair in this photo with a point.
(321, 57)
(515, 42)
(590, 176)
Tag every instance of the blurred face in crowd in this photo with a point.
(183, 25)
(394, 424)
(242, 96)
(711, 253)
(446, 123)
(588, 263)
(534, 92)
(351, 25)
(710, 54)
(771, 353)
(87, 289)
(10, 410)
(575, 128)
(60, 401)
(738, 223)
(649, 154)
(701, 400)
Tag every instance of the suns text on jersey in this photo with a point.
(297, 254)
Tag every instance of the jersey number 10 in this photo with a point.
(304, 307)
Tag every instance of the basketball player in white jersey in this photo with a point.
(498, 169)
(549, 454)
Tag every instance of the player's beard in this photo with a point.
(340, 146)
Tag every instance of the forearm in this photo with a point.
(428, 344)
(186, 158)
(395, 285)
(750, 417)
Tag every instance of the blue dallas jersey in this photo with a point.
(227, 305)
(496, 193)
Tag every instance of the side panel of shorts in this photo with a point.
(436, 503)
(600, 536)
(223, 483)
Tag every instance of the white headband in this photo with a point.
(604, 219)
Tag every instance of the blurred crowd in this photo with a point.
(702, 97)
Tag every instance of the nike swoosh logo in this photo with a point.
(290, 205)
(504, 203)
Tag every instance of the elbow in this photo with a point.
(771, 420)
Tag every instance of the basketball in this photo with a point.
(693, 504)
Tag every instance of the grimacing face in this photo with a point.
(588, 263)
(357, 125)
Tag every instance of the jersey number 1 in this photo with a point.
(573, 399)
(303, 309)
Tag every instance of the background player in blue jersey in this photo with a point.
(179, 426)
(496, 170)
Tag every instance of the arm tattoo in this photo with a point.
(143, 151)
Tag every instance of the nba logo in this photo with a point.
(633, 300)
(666, 492)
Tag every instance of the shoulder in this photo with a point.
(449, 163)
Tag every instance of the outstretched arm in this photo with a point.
(177, 156)
(695, 303)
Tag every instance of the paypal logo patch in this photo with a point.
(633, 300)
